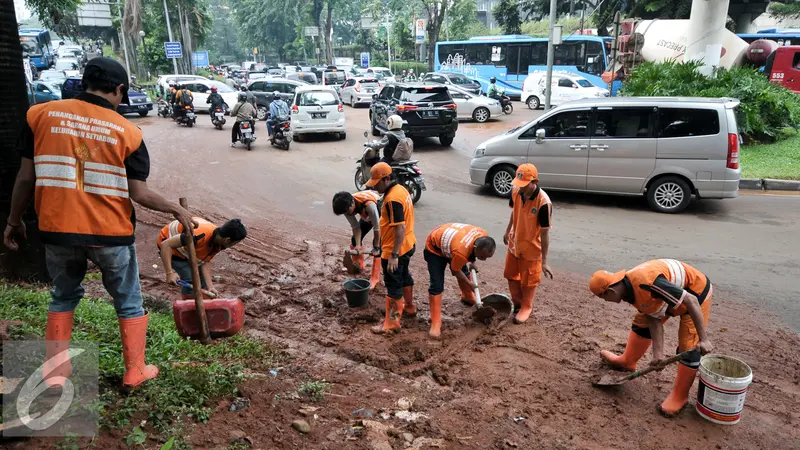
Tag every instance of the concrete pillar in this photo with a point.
(744, 23)
(706, 32)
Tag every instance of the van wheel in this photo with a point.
(501, 179)
(669, 195)
(533, 102)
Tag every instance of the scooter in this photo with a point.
(218, 117)
(188, 117)
(281, 135)
(247, 134)
(407, 173)
(164, 109)
(505, 102)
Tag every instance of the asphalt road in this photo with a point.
(748, 246)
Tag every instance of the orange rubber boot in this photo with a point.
(675, 402)
(409, 308)
(57, 366)
(375, 277)
(467, 294)
(515, 288)
(436, 316)
(391, 322)
(358, 260)
(133, 332)
(636, 348)
(526, 307)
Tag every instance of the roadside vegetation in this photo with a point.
(191, 375)
(778, 160)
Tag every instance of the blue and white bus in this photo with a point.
(36, 44)
(783, 36)
(511, 58)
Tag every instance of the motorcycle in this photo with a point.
(218, 117)
(188, 117)
(505, 101)
(247, 135)
(407, 173)
(281, 135)
(164, 109)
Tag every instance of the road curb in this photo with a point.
(756, 184)
(781, 185)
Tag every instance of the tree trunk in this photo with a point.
(28, 263)
(189, 47)
(328, 31)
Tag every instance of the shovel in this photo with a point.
(351, 266)
(483, 309)
(609, 380)
(205, 334)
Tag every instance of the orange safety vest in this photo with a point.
(678, 273)
(525, 239)
(203, 240)
(454, 241)
(389, 223)
(81, 183)
(364, 198)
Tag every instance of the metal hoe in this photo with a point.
(205, 334)
(351, 267)
(610, 380)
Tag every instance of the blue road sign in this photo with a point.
(365, 59)
(173, 49)
(200, 59)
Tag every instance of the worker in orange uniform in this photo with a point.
(398, 244)
(363, 204)
(458, 245)
(528, 240)
(209, 240)
(661, 289)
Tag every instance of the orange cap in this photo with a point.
(378, 172)
(601, 280)
(525, 174)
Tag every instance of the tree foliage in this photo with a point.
(788, 10)
(506, 13)
(56, 15)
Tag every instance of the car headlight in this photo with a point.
(480, 151)
(149, 99)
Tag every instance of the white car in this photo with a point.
(317, 109)
(565, 87)
(476, 107)
(359, 90)
(70, 66)
(201, 89)
(384, 71)
(165, 80)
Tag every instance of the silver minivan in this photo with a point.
(667, 148)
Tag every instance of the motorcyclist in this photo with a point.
(229, 81)
(134, 85)
(493, 91)
(390, 140)
(183, 98)
(411, 76)
(251, 98)
(243, 111)
(215, 100)
(278, 112)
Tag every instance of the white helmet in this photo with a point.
(394, 122)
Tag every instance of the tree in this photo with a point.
(463, 15)
(436, 11)
(506, 12)
(785, 10)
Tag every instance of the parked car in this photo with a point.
(264, 90)
(664, 148)
(70, 66)
(201, 89)
(43, 92)
(427, 110)
(473, 106)
(565, 87)
(165, 80)
(317, 109)
(384, 71)
(359, 90)
(140, 103)
(453, 79)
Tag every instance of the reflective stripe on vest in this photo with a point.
(70, 173)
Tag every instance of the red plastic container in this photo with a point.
(225, 317)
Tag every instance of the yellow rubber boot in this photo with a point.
(675, 402)
(409, 308)
(134, 333)
(636, 348)
(436, 316)
(57, 366)
(526, 305)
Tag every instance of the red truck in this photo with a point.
(783, 67)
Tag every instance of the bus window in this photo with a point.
(595, 60)
(570, 54)
(478, 54)
(498, 55)
(539, 53)
(519, 58)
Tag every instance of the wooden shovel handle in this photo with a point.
(478, 301)
(664, 363)
(197, 287)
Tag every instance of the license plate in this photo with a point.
(142, 106)
(319, 115)
(219, 115)
(190, 115)
(430, 114)
(420, 182)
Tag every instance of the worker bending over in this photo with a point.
(528, 239)
(363, 204)
(209, 240)
(660, 289)
(458, 245)
(398, 244)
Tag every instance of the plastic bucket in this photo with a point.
(357, 292)
(723, 386)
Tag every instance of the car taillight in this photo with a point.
(402, 108)
(733, 151)
(286, 125)
(295, 109)
(340, 108)
(451, 106)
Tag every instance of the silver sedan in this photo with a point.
(475, 107)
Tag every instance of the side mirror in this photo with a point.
(366, 134)
(374, 96)
(540, 135)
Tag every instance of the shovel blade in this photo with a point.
(348, 263)
(609, 380)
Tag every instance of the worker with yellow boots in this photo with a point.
(363, 204)
(398, 245)
(528, 240)
(458, 245)
(660, 289)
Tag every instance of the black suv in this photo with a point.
(426, 111)
(264, 90)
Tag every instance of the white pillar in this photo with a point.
(744, 23)
(706, 32)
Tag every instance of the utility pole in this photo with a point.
(550, 55)
(613, 64)
(388, 42)
(169, 33)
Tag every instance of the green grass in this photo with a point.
(779, 160)
(192, 375)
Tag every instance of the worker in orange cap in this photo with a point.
(398, 244)
(528, 239)
(458, 245)
(660, 289)
(365, 205)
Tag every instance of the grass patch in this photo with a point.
(779, 160)
(315, 390)
(191, 374)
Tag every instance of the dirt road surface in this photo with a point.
(515, 387)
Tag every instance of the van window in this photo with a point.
(565, 82)
(568, 124)
(796, 61)
(683, 122)
(623, 123)
(317, 98)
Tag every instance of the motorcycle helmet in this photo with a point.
(213, 89)
(211, 77)
(493, 80)
(276, 95)
(394, 122)
(242, 97)
(133, 77)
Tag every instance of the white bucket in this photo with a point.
(722, 389)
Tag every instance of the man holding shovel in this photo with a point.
(660, 289)
(398, 244)
(528, 240)
(458, 245)
(365, 205)
(209, 240)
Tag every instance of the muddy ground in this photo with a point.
(519, 386)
